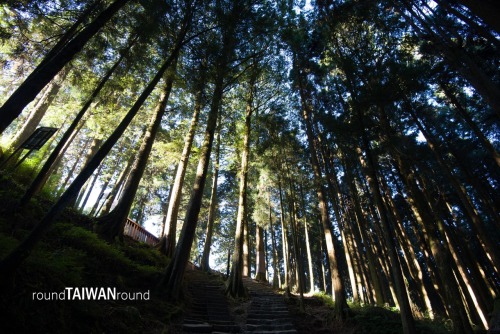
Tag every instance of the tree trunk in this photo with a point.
(205, 266)
(89, 190)
(235, 287)
(40, 109)
(94, 147)
(360, 235)
(42, 75)
(284, 241)
(309, 258)
(402, 296)
(111, 225)
(110, 199)
(332, 244)
(175, 199)
(172, 280)
(260, 266)
(42, 175)
(246, 247)
(276, 266)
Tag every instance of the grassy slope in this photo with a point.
(70, 255)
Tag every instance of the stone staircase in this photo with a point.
(208, 308)
(268, 312)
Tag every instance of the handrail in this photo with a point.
(139, 233)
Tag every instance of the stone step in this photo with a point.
(257, 321)
(269, 314)
(285, 326)
(289, 331)
(197, 328)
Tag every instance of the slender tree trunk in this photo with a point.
(406, 314)
(70, 173)
(429, 222)
(90, 188)
(174, 273)
(108, 203)
(172, 279)
(284, 241)
(360, 233)
(235, 287)
(94, 147)
(260, 266)
(42, 75)
(309, 258)
(112, 224)
(276, 267)
(246, 247)
(40, 109)
(175, 199)
(332, 244)
(322, 263)
(205, 266)
(42, 175)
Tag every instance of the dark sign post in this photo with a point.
(34, 142)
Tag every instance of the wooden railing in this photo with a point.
(137, 232)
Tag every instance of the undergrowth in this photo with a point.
(71, 255)
(318, 318)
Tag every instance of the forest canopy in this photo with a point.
(344, 146)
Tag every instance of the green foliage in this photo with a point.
(73, 256)
(326, 299)
(373, 319)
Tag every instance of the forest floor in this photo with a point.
(71, 255)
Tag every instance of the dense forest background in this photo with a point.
(350, 147)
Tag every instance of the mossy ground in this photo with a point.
(71, 255)
(318, 318)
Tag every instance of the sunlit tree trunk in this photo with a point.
(332, 244)
(110, 199)
(205, 266)
(74, 127)
(284, 239)
(246, 247)
(308, 243)
(235, 287)
(175, 199)
(402, 296)
(40, 109)
(81, 205)
(260, 266)
(112, 224)
(276, 267)
(94, 147)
